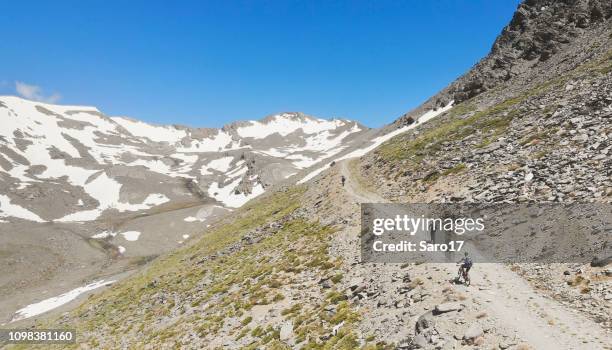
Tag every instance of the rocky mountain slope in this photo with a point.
(284, 271)
(94, 195)
(538, 31)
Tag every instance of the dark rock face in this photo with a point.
(538, 31)
(600, 261)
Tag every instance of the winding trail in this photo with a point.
(538, 319)
(354, 189)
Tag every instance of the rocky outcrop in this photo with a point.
(539, 31)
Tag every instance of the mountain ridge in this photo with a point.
(538, 33)
(176, 145)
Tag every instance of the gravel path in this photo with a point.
(543, 322)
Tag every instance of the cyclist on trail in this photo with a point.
(343, 179)
(466, 264)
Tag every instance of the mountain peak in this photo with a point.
(58, 108)
(544, 37)
(287, 115)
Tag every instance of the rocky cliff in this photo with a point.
(544, 37)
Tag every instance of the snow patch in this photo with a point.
(427, 116)
(9, 209)
(228, 196)
(103, 235)
(130, 235)
(54, 302)
(155, 133)
(221, 141)
(107, 190)
(221, 164)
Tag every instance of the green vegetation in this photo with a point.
(356, 175)
(604, 66)
(433, 177)
(337, 278)
(460, 122)
(212, 287)
(540, 154)
(537, 136)
(465, 120)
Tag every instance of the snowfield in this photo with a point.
(228, 196)
(55, 302)
(9, 209)
(155, 133)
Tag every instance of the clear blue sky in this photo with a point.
(206, 63)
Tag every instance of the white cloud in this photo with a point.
(33, 92)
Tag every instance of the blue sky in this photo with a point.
(207, 63)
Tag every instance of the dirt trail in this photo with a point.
(353, 188)
(541, 321)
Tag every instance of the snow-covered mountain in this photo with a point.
(84, 195)
(73, 163)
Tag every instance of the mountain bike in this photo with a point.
(463, 276)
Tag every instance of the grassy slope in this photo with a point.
(486, 125)
(211, 288)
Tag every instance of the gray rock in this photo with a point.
(420, 342)
(505, 345)
(424, 322)
(337, 328)
(474, 331)
(286, 331)
(447, 307)
(601, 261)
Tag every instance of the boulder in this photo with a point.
(419, 342)
(425, 321)
(601, 261)
(474, 331)
(447, 307)
(337, 327)
(286, 331)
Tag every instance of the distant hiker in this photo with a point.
(343, 179)
(464, 269)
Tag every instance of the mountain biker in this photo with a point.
(466, 264)
(343, 179)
